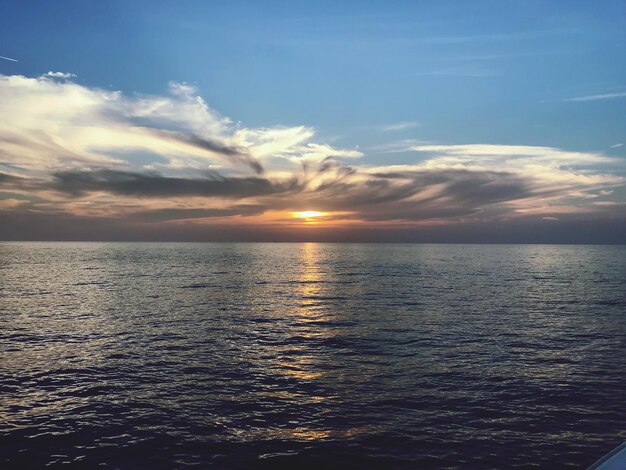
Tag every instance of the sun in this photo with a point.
(312, 217)
(308, 214)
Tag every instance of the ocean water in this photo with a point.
(130, 355)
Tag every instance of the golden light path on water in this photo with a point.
(263, 352)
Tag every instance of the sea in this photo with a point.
(297, 356)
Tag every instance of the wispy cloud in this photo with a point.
(493, 57)
(600, 96)
(490, 151)
(398, 146)
(8, 58)
(459, 72)
(616, 146)
(508, 36)
(400, 126)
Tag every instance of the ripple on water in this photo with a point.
(122, 355)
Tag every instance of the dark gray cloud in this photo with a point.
(388, 202)
(385, 196)
(11, 182)
(156, 185)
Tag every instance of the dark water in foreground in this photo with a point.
(311, 355)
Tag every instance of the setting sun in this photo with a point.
(308, 214)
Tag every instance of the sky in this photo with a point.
(440, 121)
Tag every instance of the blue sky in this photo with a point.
(377, 77)
(466, 71)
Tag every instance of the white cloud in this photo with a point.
(403, 145)
(460, 72)
(494, 154)
(601, 96)
(400, 126)
(51, 124)
(64, 75)
(492, 36)
(320, 152)
(267, 142)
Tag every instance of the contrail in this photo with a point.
(8, 58)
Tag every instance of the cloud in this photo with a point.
(616, 146)
(403, 145)
(460, 72)
(320, 152)
(400, 126)
(268, 142)
(156, 185)
(519, 35)
(52, 124)
(176, 214)
(64, 75)
(565, 173)
(91, 157)
(519, 155)
(8, 181)
(601, 96)
(237, 156)
(8, 58)
(489, 57)
(420, 194)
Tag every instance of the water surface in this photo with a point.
(127, 355)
